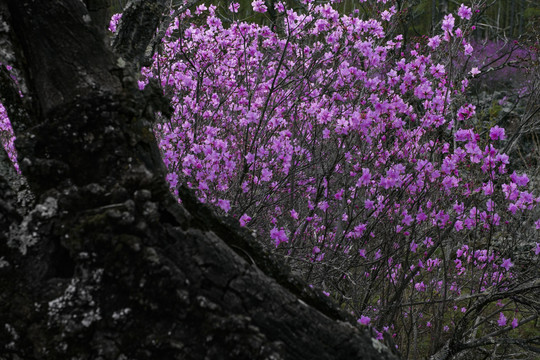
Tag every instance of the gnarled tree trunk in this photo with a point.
(107, 265)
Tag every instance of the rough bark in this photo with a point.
(108, 265)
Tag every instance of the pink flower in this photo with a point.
(515, 323)
(434, 42)
(225, 205)
(233, 7)
(448, 23)
(359, 230)
(172, 179)
(259, 6)
(428, 242)
(279, 7)
(537, 249)
(323, 205)
(364, 320)
(488, 188)
(294, 214)
(364, 179)
(502, 320)
(497, 133)
(468, 49)
(520, 180)
(278, 236)
(464, 12)
(115, 19)
(420, 286)
(507, 264)
(244, 219)
(386, 15)
(199, 10)
(474, 71)
(266, 175)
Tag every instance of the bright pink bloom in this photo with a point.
(115, 19)
(502, 320)
(515, 323)
(244, 219)
(259, 6)
(507, 264)
(279, 7)
(278, 235)
(474, 71)
(434, 42)
(225, 205)
(520, 180)
(468, 49)
(448, 23)
(233, 7)
(464, 12)
(364, 320)
(497, 133)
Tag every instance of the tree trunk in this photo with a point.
(108, 265)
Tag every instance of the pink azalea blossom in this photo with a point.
(474, 71)
(497, 133)
(467, 49)
(502, 320)
(464, 12)
(515, 323)
(420, 286)
(278, 235)
(519, 180)
(259, 6)
(364, 320)
(279, 7)
(434, 42)
(244, 219)
(507, 264)
(115, 19)
(448, 23)
(225, 205)
(234, 7)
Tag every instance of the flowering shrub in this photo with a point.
(354, 157)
